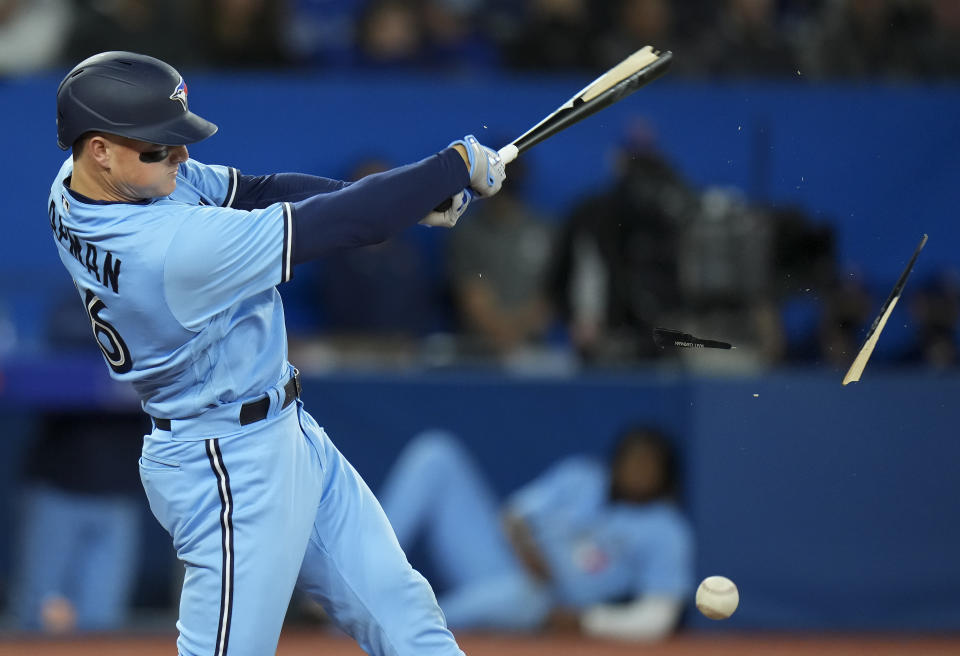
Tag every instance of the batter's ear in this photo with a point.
(98, 149)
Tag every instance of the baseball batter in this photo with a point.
(177, 264)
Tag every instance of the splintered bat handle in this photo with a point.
(712, 343)
(685, 340)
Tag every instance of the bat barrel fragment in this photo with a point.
(863, 356)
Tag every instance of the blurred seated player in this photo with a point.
(79, 537)
(847, 311)
(602, 548)
(498, 262)
(161, 28)
(391, 35)
(81, 522)
(868, 39)
(456, 36)
(614, 271)
(237, 34)
(939, 48)
(631, 25)
(726, 280)
(746, 39)
(32, 34)
(551, 35)
(804, 257)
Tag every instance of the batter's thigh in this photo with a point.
(240, 510)
(355, 568)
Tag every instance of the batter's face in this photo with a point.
(139, 170)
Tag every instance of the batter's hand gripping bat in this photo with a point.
(640, 68)
(856, 369)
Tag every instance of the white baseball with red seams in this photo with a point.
(717, 597)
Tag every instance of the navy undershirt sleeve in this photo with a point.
(376, 207)
(255, 192)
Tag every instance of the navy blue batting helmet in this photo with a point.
(130, 95)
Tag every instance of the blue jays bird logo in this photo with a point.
(180, 93)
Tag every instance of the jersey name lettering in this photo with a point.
(106, 270)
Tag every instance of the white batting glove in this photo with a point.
(487, 170)
(447, 218)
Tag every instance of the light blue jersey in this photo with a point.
(180, 290)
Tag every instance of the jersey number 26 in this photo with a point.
(108, 339)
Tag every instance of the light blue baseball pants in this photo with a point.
(269, 506)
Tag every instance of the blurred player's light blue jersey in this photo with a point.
(597, 550)
(180, 290)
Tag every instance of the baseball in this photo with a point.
(717, 597)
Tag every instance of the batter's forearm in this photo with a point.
(375, 208)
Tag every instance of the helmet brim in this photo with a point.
(186, 129)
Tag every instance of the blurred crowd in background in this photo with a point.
(511, 284)
(815, 38)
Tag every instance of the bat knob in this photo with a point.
(508, 153)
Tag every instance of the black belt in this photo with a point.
(253, 411)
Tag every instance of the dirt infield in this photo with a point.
(319, 644)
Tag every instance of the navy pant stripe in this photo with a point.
(226, 529)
